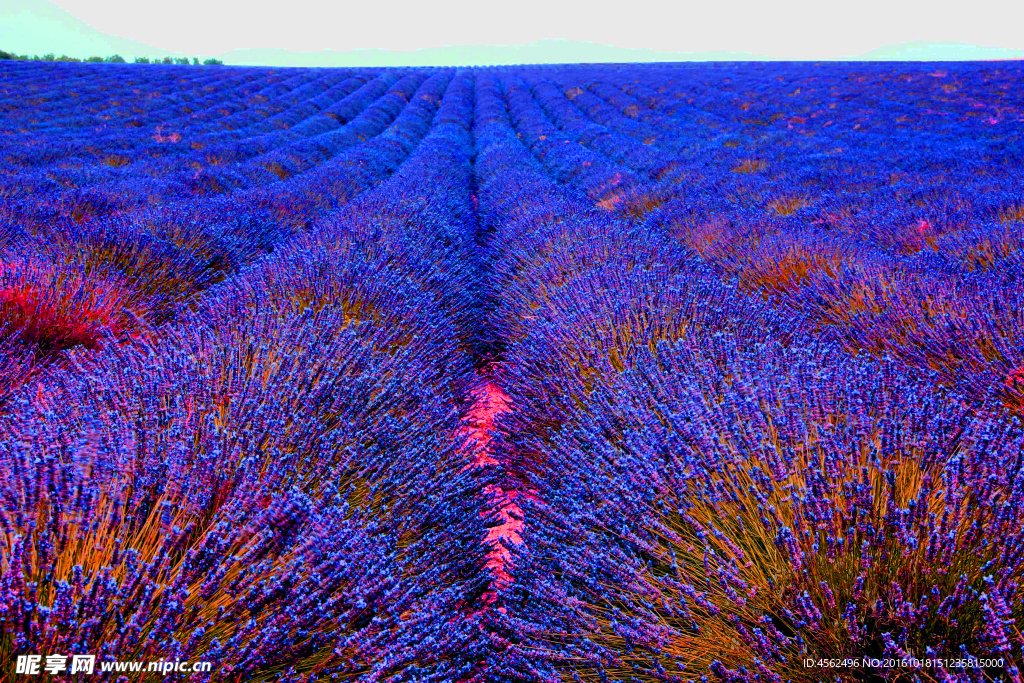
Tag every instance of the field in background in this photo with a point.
(675, 372)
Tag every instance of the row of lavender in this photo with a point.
(132, 261)
(267, 476)
(758, 425)
(762, 362)
(935, 245)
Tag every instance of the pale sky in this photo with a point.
(793, 29)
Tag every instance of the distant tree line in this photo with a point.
(112, 59)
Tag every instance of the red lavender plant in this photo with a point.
(1015, 390)
(163, 259)
(55, 306)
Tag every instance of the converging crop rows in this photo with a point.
(673, 372)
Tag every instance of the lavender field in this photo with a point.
(668, 372)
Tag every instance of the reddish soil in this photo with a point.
(490, 402)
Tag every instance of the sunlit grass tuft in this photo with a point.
(750, 166)
(787, 206)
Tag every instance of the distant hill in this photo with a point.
(542, 52)
(38, 26)
(939, 52)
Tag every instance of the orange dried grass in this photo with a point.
(787, 206)
(750, 166)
